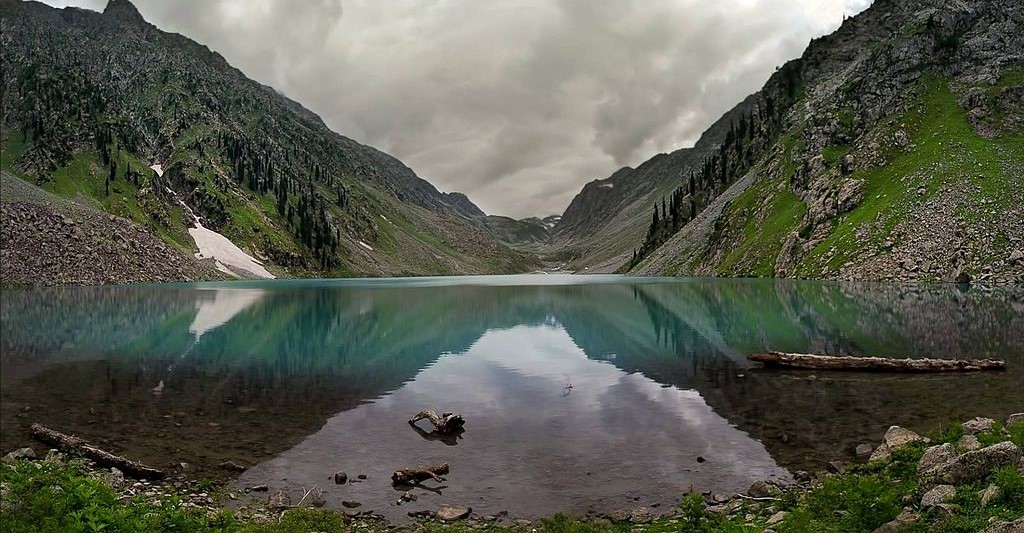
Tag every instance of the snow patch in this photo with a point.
(224, 252)
(228, 257)
(158, 168)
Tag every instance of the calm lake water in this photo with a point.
(300, 379)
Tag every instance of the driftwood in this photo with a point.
(412, 476)
(444, 424)
(876, 364)
(70, 443)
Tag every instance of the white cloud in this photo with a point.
(517, 104)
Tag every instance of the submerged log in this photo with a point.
(72, 444)
(876, 364)
(444, 424)
(411, 476)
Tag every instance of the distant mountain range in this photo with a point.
(891, 149)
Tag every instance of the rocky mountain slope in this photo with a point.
(892, 149)
(93, 102)
(81, 245)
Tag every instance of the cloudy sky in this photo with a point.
(517, 103)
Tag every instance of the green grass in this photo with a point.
(833, 155)
(770, 215)
(944, 149)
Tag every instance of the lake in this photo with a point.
(581, 393)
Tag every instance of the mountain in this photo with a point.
(113, 113)
(891, 149)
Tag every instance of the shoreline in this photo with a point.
(907, 481)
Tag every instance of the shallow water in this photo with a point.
(580, 392)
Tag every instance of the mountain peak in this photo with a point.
(125, 11)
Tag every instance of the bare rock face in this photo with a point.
(971, 466)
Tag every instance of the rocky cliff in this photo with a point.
(891, 149)
(93, 102)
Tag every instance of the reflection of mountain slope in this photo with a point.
(274, 369)
(530, 446)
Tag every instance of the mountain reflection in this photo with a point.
(250, 370)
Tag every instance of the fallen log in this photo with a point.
(875, 364)
(412, 476)
(444, 424)
(72, 444)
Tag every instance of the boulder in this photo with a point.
(863, 452)
(939, 494)
(969, 443)
(453, 512)
(1015, 418)
(1016, 256)
(340, 477)
(776, 518)
(934, 457)
(640, 515)
(1006, 527)
(972, 466)
(978, 425)
(988, 494)
(20, 454)
(894, 439)
(903, 522)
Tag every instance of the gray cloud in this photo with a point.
(517, 104)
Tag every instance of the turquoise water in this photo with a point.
(580, 392)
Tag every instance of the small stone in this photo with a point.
(1016, 256)
(232, 466)
(619, 515)
(701, 459)
(978, 425)
(258, 488)
(968, 442)
(836, 467)
(903, 522)
(988, 494)
(453, 512)
(777, 517)
(21, 454)
(1015, 418)
(340, 477)
(408, 497)
(54, 456)
(350, 504)
(939, 494)
(361, 476)
(763, 489)
(863, 451)
(279, 500)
